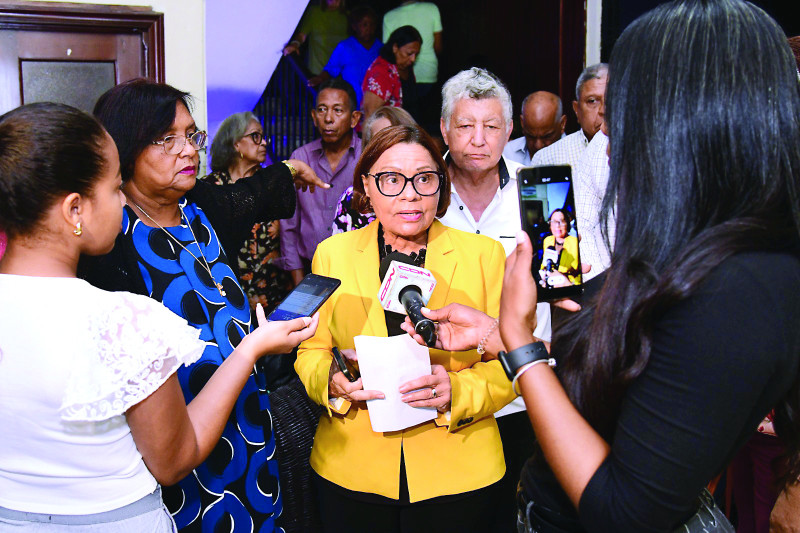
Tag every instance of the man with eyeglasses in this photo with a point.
(333, 157)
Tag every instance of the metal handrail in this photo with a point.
(285, 109)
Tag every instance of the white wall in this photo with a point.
(184, 46)
(594, 12)
(244, 41)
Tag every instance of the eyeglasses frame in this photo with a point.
(377, 178)
(190, 138)
(252, 138)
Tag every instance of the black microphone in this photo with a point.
(410, 297)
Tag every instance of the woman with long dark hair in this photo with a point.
(694, 336)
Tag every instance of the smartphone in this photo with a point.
(306, 298)
(345, 367)
(547, 210)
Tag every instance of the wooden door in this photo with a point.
(72, 54)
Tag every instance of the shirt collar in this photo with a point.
(354, 140)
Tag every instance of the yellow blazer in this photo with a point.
(445, 456)
(568, 263)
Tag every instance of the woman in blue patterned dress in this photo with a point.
(177, 236)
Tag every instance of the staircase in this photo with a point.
(285, 109)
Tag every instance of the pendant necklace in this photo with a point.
(204, 263)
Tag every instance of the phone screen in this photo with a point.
(547, 208)
(306, 298)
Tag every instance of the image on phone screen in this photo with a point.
(547, 209)
(306, 298)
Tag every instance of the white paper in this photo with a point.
(385, 364)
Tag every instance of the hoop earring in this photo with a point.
(78, 230)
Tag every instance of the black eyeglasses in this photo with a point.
(257, 137)
(173, 144)
(425, 183)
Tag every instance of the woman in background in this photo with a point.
(238, 151)
(390, 79)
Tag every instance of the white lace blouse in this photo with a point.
(73, 359)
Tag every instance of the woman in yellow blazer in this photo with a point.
(441, 474)
(566, 246)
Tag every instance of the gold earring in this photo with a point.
(78, 230)
(241, 155)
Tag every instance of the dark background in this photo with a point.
(540, 44)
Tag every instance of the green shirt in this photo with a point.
(323, 29)
(424, 16)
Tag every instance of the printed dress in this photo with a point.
(261, 279)
(236, 488)
(383, 80)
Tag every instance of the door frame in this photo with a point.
(92, 18)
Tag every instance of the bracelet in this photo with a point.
(290, 167)
(482, 344)
(550, 362)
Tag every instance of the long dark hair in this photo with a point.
(705, 162)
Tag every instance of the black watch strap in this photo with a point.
(513, 360)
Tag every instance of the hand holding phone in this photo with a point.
(345, 366)
(547, 211)
(306, 298)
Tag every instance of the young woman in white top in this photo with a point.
(91, 413)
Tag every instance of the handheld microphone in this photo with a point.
(550, 258)
(406, 288)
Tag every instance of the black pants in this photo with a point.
(342, 513)
(518, 440)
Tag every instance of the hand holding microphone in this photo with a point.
(407, 288)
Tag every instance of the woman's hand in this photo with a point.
(279, 336)
(340, 387)
(429, 391)
(518, 301)
(306, 178)
(458, 327)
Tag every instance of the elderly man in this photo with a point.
(543, 120)
(590, 93)
(333, 157)
(476, 124)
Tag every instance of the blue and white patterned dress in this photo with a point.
(236, 489)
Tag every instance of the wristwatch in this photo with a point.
(517, 358)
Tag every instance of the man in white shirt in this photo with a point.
(590, 93)
(476, 124)
(543, 120)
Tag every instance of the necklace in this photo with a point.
(204, 262)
